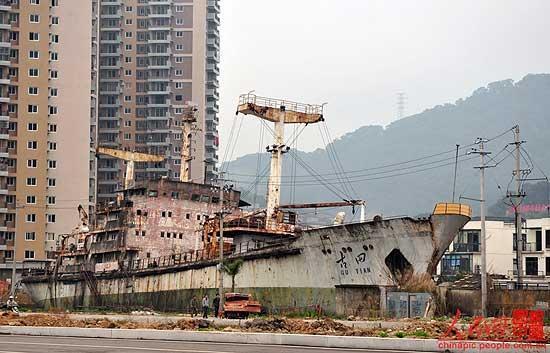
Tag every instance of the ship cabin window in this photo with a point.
(181, 237)
(195, 197)
(175, 195)
(215, 199)
(145, 214)
(148, 255)
(137, 233)
(198, 217)
(168, 235)
(205, 198)
(153, 193)
(169, 214)
(163, 214)
(187, 216)
(138, 212)
(142, 233)
(162, 234)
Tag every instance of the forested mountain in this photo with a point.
(413, 188)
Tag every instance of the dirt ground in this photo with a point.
(411, 328)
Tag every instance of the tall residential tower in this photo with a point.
(156, 58)
(45, 123)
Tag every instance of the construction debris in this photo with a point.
(409, 328)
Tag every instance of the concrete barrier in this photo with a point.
(375, 343)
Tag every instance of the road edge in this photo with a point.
(374, 343)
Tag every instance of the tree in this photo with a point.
(232, 268)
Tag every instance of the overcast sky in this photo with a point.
(357, 54)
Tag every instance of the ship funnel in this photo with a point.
(339, 219)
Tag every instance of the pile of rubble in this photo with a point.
(52, 320)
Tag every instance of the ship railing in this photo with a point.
(201, 255)
(277, 103)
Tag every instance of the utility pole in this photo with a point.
(220, 290)
(482, 153)
(14, 265)
(517, 196)
(456, 168)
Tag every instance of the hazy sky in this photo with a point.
(357, 54)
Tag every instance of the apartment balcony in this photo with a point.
(213, 68)
(5, 7)
(166, 40)
(465, 248)
(5, 26)
(160, 28)
(166, 53)
(117, 14)
(213, 17)
(160, 93)
(159, 2)
(212, 106)
(211, 157)
(212, 93)
(213, 83)
(4, 81)
(111, 41)
(111, 29)
(532, 247)
(213, 4)
(115, 53)
(167, 14)
(213, 55)
(213, 42)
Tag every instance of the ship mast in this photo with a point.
(187, 128)
(279, 112)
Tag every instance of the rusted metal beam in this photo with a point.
(323, 204)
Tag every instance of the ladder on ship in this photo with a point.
(91, 282)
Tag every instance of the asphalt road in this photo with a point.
(36, 344)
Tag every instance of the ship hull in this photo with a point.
(340, 269)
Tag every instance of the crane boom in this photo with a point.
(131, 158)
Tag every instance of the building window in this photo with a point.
(50, 200)
(52, 164)
(127, 123)
(50, 236)
(128, 72)
(31, 181)
(34, 54)
(129, 8)
(32, 163)
(531, 266)
(33, 109)
(54, 20)
(54, 56)
(30, 236)
(53, 74)
(128, 59)
(179, 47)
(32, 145)
(33, 73)
(52, 146)
(31, 218)
(128, 34)
(162, 234)
(128, 21)
(128, 47)
(179, 34)
(31, 200)
(53, 92)
(52, 110)
(29, 254)
(33, 91)
(179, 8)
(179, 59)
(8, 254)
(54, 38)
(179, 21)
(50, 218)
(179, 72)
(32, 127)
(34, 18)
(34, 36)
(35, 2)
(127, 110)
(54, 3)
(51, 182)
(127, 136)
(52, 128)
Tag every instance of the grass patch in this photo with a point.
(400, 334)
(383, 334)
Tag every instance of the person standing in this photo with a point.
(216, 304)
(194, 306)
(205, 306)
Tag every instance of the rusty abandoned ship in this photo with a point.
(157, 246)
